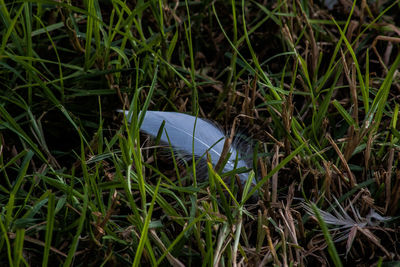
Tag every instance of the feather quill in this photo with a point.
(180, 128)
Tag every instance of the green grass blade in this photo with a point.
(331, 246)
(380, 99)
(346, 116)
(276, 169)
(19, 246)
(145, 229)
(364, 92)
(49, 229)
(18, 182)
(4, 236)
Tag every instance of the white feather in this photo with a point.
(179, 128)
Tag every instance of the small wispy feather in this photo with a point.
(178, 132)
(347, 226)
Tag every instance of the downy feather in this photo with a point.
(207, 137)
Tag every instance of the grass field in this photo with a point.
(315, 85)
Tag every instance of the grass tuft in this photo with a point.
(313, 84)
